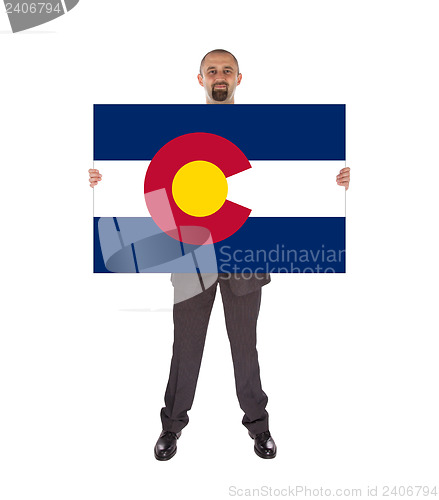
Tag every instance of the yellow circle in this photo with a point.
(199, 188)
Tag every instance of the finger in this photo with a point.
(342, 180)
(343, 183)
(344, 176)
(346, 169)
(95, 176)
(93, 170)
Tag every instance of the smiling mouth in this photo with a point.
(220, 86)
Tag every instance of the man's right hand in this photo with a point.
(95, 176)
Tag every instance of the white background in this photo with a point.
(349, 362)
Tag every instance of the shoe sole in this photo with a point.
(259, 454)
(163, 459)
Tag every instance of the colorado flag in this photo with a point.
(238, 188)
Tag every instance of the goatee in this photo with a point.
(220, 95)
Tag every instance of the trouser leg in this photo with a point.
(241, 313)
(191, 319)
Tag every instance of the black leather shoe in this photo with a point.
(166, 446)
(265, 447)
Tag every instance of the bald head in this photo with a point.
(218, 51)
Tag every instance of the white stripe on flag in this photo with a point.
(289, 189)
(269, 189)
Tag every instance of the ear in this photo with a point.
(239, 79)
(200, 80)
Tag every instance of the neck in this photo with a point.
(232, 101)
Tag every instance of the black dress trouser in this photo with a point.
(191, 318)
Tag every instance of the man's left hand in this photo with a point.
(344, 177)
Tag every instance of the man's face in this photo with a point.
(219, 78)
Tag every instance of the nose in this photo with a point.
(221, 77)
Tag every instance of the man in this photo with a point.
(219, 76)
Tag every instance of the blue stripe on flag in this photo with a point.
(261, 131)
(263, 244)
